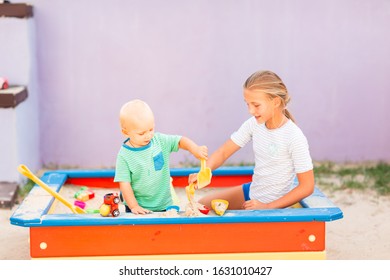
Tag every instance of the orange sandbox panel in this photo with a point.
(116, 240)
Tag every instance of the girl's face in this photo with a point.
(260, 105)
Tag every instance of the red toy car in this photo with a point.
(112, 201)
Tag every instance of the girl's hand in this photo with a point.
(192, 178)
(254, 204)
(139, 210)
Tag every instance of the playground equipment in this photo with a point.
(291, 233)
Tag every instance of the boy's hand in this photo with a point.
(139, 210)
(201, 152)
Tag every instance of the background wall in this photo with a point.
(189, 59)
(19, 126)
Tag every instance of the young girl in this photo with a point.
(281, 150)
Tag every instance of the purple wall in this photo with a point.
(189, 59)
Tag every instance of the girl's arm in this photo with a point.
(305, 188)
(129, 197)
(222, 154)
(218, 157)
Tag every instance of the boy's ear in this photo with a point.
(124, 131)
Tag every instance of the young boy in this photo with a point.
(142, 166)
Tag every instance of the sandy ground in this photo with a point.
(363, 233)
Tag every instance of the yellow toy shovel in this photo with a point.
(204, 175)
(26, 172)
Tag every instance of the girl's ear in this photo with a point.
(277, 102)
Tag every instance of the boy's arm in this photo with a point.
(128, 196)
(200, 152)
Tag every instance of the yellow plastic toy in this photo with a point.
(204, 175)
(203, 180)
(104, 210)
(175, 198)
(219, 206)
(26, 172)
(190, 191)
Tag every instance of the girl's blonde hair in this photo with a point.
(271, 84)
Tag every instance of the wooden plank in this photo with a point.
(307, 255)
(38, 202)
(12, 96)
(18, 10)
(8, 194)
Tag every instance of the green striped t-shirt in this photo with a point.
(147, 170)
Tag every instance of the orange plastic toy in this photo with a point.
(110, 205)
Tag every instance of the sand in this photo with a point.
(363, 233)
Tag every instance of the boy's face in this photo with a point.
(137, 122)
(140, 133)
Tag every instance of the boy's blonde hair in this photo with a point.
(271, 84)
(134, 110)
